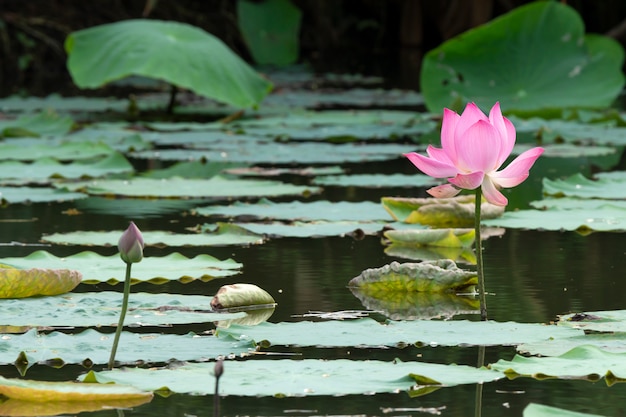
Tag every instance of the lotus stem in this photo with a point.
(479, 257)
(478, 405)
(218, 371)
(120, 323)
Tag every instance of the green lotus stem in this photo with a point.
(120, 323)
(478, 405)
(218, 371)
(479, 257)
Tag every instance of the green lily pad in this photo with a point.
(309, 119)
(21, 283)
(93, 347)
(296, 378)
(582, 362)
(135, 208)
(91, 309)
(540, 410)
(375, 180)
(217, 188)
(596, 321)
(428, 276)
(431, 253)
(370, 333)
(45, 123)
(579, 186)
(272, 172)
(50, 392)
(608, 342)
(571, 203)
(577, 70)
(439, 212)
(49, 149)
(234, 297)
(175, 52)
(96, 268)
(16, 195)
(216, 235)
(450, 238)
(313, 228)
(297, 210)
(607, 219)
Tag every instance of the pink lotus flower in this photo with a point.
(473, 147)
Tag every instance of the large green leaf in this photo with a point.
(296, 378)
(21, 283)
(216, 187)
(96, 268)
(375, 180)
(233, 297)
(577, 185)
(92, 347)
(448, 238)
(64, 151)
(16, 195)
(429, 276)
(368, 332)
(539, 410)
(215, 235)
(532, 58)
(103, 309)
(271, 30)
(608, 342)
(44, 123)
(613, 321)
(174, 52)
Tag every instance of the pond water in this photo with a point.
(532, 276)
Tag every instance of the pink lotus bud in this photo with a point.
(131, 245)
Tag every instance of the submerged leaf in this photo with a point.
(22, 283)
(439, 212)
(429, 276)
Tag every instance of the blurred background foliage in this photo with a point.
(372, 37)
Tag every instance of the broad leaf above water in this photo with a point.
(568, 69)
(539, 410)
(21, 283)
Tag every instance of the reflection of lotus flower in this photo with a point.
(131, 245)
(473, 148)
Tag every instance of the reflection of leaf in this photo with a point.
(45, 391)
(58, 407)
(21, 283)
(448, 238)
(439, 212)
(399, 305)
(431, 276)
(237, 296)
(252, 318)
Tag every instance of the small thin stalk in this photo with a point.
(479, 257)
(478, 405)
(120, 323)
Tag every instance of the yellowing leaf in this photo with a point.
(22, 408)
(241, 296)
(46, 391)
(21, 283)
(448, 238)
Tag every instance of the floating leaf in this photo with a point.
(429, 276)
(240, 297)
(608, 342)
(178, 53)
(449, 238)
(216, 235)
(92, 347)
(21, 283)
(439, 212)
(63, 152)
(400, 305)
(577, 70)
(314, 229)
(96, 268)
(539, 410)
(12, 407)
(582, 220)
(367, 332)
(423, 253)
(45, 123)
(579, 186)
(375, 180)
(102, 309)
(216, 187)
(16, 195)
(296, 378)
(582, 362)
(297, 210)
(596, 321)
(46, 391)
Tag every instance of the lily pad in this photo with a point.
(579, 186)
(91, 309)
(433, 253)
(96, 268)
(216, 188)
(12, 407)
(17, 195)
(240, 297)
(539, 410)
(596, 321)
(65, 151)
(581, 220)
(375, 180)
(221, 234)
(608, 342)
(314, 228)
(449, 238)
(439, 212)
(178, 53)
(46, 391)
(22, 283)
(577, 70)
(297, 378)
(428, 276)
(45, 123)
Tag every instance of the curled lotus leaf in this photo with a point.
(439, 212)
(449, 238)
(22, 283)
(399, 305)
(240, 297)
(442, 275)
